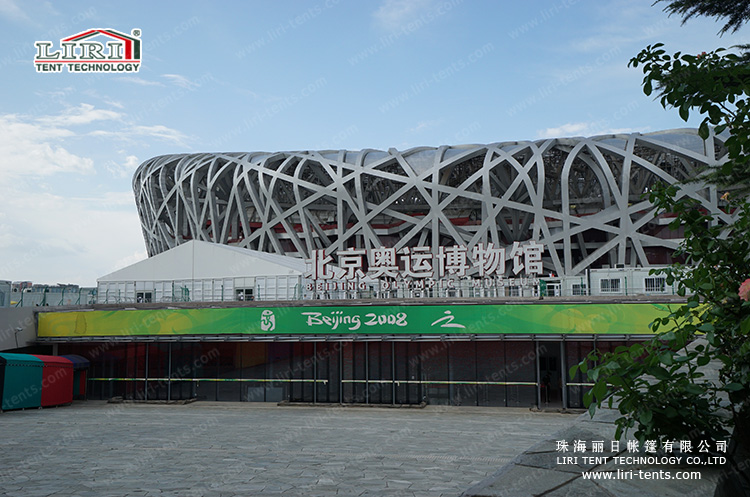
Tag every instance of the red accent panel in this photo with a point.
(57, 380)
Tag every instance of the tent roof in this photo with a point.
(55, 360)
(79, 362)
(21, 359)
(204, 260)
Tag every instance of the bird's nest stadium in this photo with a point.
(586, 197)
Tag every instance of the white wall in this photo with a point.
(17, 325)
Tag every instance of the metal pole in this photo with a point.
(341, 372)
(367, 374)
(564, 364)
(476, 374)
(538, 374)
(393, 373)
(505, 366)
(315, 373)
(169, 371)
(145, 379)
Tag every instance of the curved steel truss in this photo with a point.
(583, 198)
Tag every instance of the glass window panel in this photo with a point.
(360, 372)
(463, 368)
(491, 368)
(347, 367)
(575, 352)
(520, 360)
(434, 356)
(402, 372)
(254, 360)
(229, 369)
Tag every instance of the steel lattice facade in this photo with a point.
(584, 197)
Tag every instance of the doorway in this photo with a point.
(550, 386)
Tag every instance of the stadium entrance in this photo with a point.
(513, 373)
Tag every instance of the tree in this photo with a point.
(738, 11)
(661, 386)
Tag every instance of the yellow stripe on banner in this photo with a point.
(427, 382)
(397, 382)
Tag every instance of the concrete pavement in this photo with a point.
(239, 449)
(538, 470)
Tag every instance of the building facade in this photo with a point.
(471, 275)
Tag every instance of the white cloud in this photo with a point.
(158, 131)
(7, 237)
(161, 132)
(124, 169)
(13, 12)
(28, 148)
(49, 238)
(83, 114)
(426, 125)
(110, 200)
(568, 129)
(583, 129)
(393, 14)
(140, 81)
(639, 24)
(56, 94)
(181, 81)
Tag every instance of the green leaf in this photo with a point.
(646, 416)
(666, 358)
(588, 398)
(659, 373)
(694, 389)
(733, 387)
(668, 336)
(725, 359)
(616, 381)
(599, 390)
(702, 130)
(684, 112)
(745, 326)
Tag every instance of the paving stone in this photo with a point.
(149, 450)
(515, 480)
(536, 471)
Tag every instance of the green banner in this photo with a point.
(618, 319)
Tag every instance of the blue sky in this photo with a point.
(293, 75)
